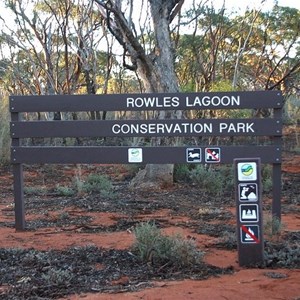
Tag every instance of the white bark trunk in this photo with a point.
(156, 70)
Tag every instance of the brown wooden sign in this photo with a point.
(248, 194)
(144, 128)
(153, 155)
(190, 153)
(154, 101)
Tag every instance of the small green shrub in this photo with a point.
(57, 277)
(65, 191)
(267, 185)
(98, 184)
(147, 237)
(283, 254)
(296, 149)
(94, 183)
(182, 172)
(228, 240)
(35, 190)
(133, 169)
(212, 179)
(157, 249)
(78, 185)
(272, 226)
(266, 174)
(208, 179)
(227, 177)
(63, 216)
(184, 252)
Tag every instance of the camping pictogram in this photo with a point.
(193, 155)
(250, 234)
(249, 213)
(248, 192)
(212, 155)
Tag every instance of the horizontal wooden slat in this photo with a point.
(143, 128)
(139, 102)
(119, 155)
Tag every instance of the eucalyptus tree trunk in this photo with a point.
(156, 69)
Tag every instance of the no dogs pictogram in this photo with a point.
(212, 155)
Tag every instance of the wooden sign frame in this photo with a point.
(22, 129)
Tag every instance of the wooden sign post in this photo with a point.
(248, 193)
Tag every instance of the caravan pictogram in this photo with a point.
(193, 155)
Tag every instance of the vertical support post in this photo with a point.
(17, 174)
(248, 193)
(276, 174)
(276, 203)
(19, 197)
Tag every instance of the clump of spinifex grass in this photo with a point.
(161, 250)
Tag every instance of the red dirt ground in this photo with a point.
(243, 284)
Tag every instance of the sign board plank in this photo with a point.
(144, 128)
(153, 101)
(119, 155)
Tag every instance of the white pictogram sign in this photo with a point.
(248, 192)
(247, 171)
(249, 213)
(250, 234)
(212, 155)
(193, 155)
(135, 155)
